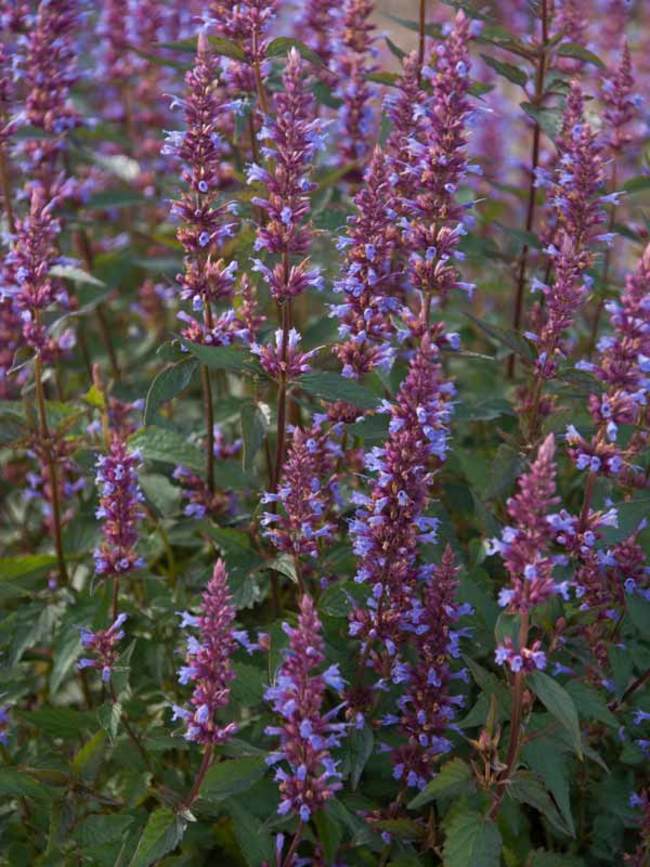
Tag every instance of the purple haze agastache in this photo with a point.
(292, 136)
(120, 510)
(283, 360)
(103, 644)
(369, 277)
(621, 104)
(390, 523)
(351, 65)
(205, 223)
(524, 549)
(623, 366)
(427, 708)
(307, 735)
(300, 525)
(576, 215)
(246, 24)
(208, 662)
(434, 220)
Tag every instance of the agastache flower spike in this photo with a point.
(292, 137)
(353, 46)
(119, 510)
(390, 524)
(621, 104)
(206, 224)
(622, 364)
(247, 25)
(208, 663)
(300, 525)
(524, 545)
(103, 645)
(436, 221)
(283, 360)
(427, 708)
(369, 277)
(306, 734)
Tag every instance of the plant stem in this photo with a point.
(51, 466)
(632, 688)
(116, 594)
(209, 425)
(530, 208)
(515, 722)
(85, 248)
(206, 761)
(294, 846)
(422, 37)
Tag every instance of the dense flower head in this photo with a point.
(291, 137)
(208, 664)
(306, 734)
(302, 523)
(435, 221)
(524, 659)
(103, 645)
(283, 358)
(114, 31)
(69, 480)
(369, 279)
(404, 107)
(622, 365)
(315, 28)
(427, 708)
(247, 24)
(524, 544)
(391, 522)
(119, 510)
(621, 103)
(351, 65)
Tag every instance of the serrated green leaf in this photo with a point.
(548, 758)
(59, 722)
(169, 383)
(472, 840)
(223, 357)
(590, 703)
(89, 756)
(161, 493)
(22, 567)
(330, 833)
(232, 777)
(579, 52)
(506, 70)
(281, 46)
(510, 339)
(254, 425)
(360, 744)
(102, 829)
(18, 784)
(77, 275)
(638, 610)
(162, 834)
(255, 841)
(454, 778)
(332, 386)
(527, 788)
(168, 447)
(559, 703)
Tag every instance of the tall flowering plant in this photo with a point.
(323, 540)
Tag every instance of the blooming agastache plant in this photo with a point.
(324, 428)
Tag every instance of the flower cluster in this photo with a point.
(369, 279)
(307, 735)
(302, 523)
(391, 521)
(351, 65)
(621, 103)
(427, 708)
(247, 25)
(291, 138)
(103, 644)
(119, 510)
(623, 366)
(208, 663)
(205, 223)
(4, 725)
(435, 221)
(283, 359)
(523, 548)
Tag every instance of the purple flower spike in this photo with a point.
(103, 645)
(306, 735)
(119, 510)
(207, 663)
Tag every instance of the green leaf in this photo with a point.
(255, 841)
(226, 48)
(170, 382)
(77, 275)
(637, 184)
(248, 686)
(630, 515)
(23, 567)
(102, 829)
(330, 833)
(454, 778)
(222, 357)
(254, 425)
(559, 703)
(109, 716)
(509, 339)
(231, 777)
(579, 52)
(118, 198)
(548, 758)
(555, 859)
(162, 834)
(472, 840)
(281, 46)
(168, 447)
(394, 49)
(590, 703)
(548, 119)
(507, 70)
(161, 493)
(64, 653)
(59, 722)
(17, 784)
(332, 386)
(89, 756)
(638, 610)
(360, 743)
(526, 788)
